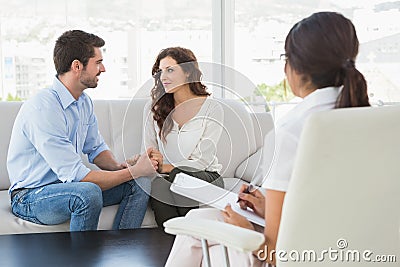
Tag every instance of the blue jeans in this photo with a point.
(82, 203)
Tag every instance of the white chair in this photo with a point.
(344, 194)
(227, 235)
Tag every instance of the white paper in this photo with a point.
(211, 195)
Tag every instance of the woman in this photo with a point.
(320, 52)
(184, 126)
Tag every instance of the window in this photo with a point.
(261, 27)
(134, 30)
(245, 35)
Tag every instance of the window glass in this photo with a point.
(261, 27)
(134, 30)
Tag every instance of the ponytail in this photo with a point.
(354, 92)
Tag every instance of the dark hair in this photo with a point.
(323, 48)
(163, 103)
(72, 45)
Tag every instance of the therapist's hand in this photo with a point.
(254, 200)
(234, 218)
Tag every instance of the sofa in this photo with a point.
(120, 123)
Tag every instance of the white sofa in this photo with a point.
(120, 123)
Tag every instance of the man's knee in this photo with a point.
(89, 195)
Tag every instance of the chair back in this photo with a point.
(342, 205)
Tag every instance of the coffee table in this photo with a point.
(138, 247)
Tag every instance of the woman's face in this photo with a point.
(172, 76)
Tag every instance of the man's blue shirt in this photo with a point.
(51, 132)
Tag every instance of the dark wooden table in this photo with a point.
(139, 247)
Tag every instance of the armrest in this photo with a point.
(231, 236)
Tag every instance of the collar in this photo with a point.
(64, 95)
(320, 97)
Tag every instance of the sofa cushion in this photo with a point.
(9, 111)
(10, 224)
(249, 168)
(120, 124)
(237, 140)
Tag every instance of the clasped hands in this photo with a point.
(147, 163)
(254, 200)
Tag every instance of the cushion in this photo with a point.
(249, 168)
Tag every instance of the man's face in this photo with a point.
(90, 73)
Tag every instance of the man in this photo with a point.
(49, 183)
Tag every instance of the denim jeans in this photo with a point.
(82, 202)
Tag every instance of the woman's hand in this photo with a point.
(254, 200)
(234, 218)
(157, 156)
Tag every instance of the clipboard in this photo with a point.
(211, 195)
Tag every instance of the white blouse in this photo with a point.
(287, 135)
(194, 144)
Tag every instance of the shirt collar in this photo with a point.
(320, 97)
(323, 95)
(65, 96)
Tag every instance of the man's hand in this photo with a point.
(234, 218)
(254, 200)
(144, 165)
(133, 160)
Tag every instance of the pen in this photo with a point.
(247, 190)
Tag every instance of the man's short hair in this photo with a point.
(72, 45)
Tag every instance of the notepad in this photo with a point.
(211, 195)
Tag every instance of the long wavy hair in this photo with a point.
(163, 103)
(323, 48)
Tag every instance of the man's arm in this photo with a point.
(106, 161)
(108, 179)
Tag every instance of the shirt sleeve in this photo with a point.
(94, 142)
(205, 153)
(278, 175)
(47, 131)
(149, 131)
